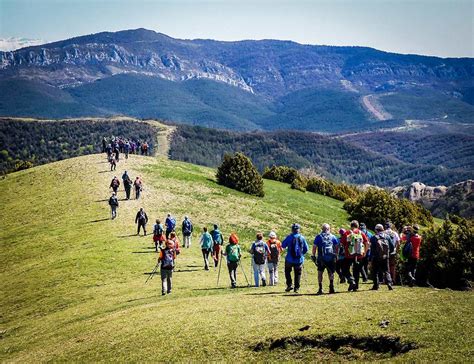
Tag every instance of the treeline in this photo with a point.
(373, 206)
(333, 158)
(29, 143)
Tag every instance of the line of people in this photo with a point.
(119, 145)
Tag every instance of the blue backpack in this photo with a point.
(296, 249)
(187, 226)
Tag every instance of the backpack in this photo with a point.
(115, 183)
(274, 253)
(296, 249)
(233, 254)
(217, 237)
(392, 242)
(382, 248)
(187, 227)
(167, 262)
(259, 253)
(158, 229)
(142, 217)
(407, 250)
(327, 247)
(356, 244)
(172, 224)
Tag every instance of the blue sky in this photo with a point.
(433, 27)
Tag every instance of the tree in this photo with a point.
(238, 172)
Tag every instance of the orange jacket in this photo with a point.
(278, 244)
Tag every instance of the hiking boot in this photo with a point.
(288, 289)
(342, 280)
(296, 290)
(320, 292)
(390, 288)
(264, 283)
(163, 293)
(233, 285)
(374, 288)
(351, 287)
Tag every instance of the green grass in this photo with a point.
(73, 282)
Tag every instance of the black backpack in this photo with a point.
(259, 253)
(382, 247)
(274, 253)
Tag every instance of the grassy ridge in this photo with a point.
(73, 281)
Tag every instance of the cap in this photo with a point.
(272, 235)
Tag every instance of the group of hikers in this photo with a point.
(117, 145)
(137, 185)
(349, 256)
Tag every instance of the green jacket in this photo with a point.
(206, 241)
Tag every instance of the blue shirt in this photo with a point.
(326, 253)
(288, 244)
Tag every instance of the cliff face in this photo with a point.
(268, 67)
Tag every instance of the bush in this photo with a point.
(299, 183)
(447, 255)
(376, 206)
(281, 174)
(239, 173)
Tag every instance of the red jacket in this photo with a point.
(415, 244)
(345, 243)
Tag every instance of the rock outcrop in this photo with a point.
(419, 192)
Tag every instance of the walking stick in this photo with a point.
(243, 271)
(219, 273)
(152, 273)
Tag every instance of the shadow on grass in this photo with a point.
(265, 293)
(104, 200)
(105, 171)
(126, 236)
(98, 220)
(211, 289)
(148, 252)
(186, 270)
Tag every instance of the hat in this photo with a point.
(272, 235)
(379, 227)
(233, 238)
(295, 227)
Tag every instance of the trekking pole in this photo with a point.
(152, 273)
(243, 271)
(219, 272)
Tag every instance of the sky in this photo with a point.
(432, 27)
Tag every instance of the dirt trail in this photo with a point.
(372, 105)
(163, 137)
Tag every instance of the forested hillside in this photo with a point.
(331, 157)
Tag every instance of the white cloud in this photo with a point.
(12, 43)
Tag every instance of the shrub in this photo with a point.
(447, 254)
(299, 183)
(239, 173)
(281, 174)
(375, 206)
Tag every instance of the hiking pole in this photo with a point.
(243, 271)
(219, 272)
(152, 273)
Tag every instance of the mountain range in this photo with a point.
(242, 85)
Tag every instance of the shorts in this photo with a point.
(329, 265)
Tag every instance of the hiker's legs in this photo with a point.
(375, 274)
(215, 254)
(187, 241)
(288, 269)
(275, 269)
(411, 269)
(168, 232)
(164, 281)
(127, 192)
(271, 273)
(138, 228)
(261, 272)
(339, 263)
(364, 268)
(392, 263)
(386, 273)
(356, 272)
(205, 255)
(298, 272)
(346, 270)
(114, 211)
(256, 274)
(169, 276)
(232, 266)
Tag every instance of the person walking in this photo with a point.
(113, 203)
(380, 255)
(364, 263)
(326, 246)
(274, 246)
(296, 246)
(411, 251)
(114, 184)
(259, 251)
(340, 258)
(138, 184)
(158, 234)
(175, 240)
(126, 149)
(355, 244)
(104, 144)
(170, 223)
(167, 259)
(206, 246)
(187, 230)
(217, 242)
(127, 184)
(233, 254)
(141, 219)
(394, 249)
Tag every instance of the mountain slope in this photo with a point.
(74, 281)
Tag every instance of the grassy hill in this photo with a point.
(73, 281)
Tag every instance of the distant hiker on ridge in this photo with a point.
(141, 219)
(127, 184)
(114, 184)
(113, 203)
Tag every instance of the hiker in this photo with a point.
(326, 245)
(167, 259)
(127, 184)
(108, 150)
(411, 252)
(297, 247)
(126, 149)
(141, 219)
(364, 266)
(355, 244)
(104, 144)
(113, 163)
(394, 249)
(206, 246)
(114, 184)
(380, 255)
(138, 187)
(175, 240)
(187, 230)
(340, 258)
(158, 234)
(113, 202)
(170, 223)
(233, 254)
(117, 153)
(274, 246)
(259, 251)
(217, 242)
